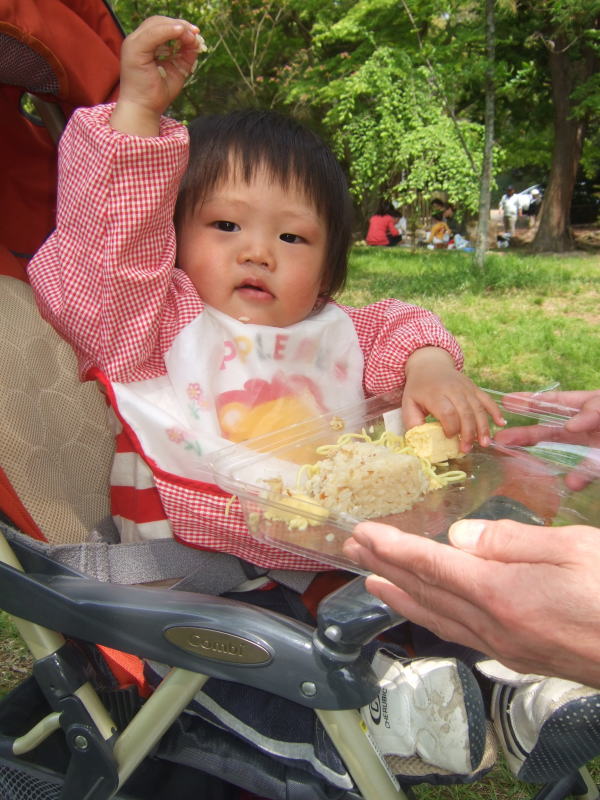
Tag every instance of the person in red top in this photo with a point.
(382, 226)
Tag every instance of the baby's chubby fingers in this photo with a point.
(148, 43)
(457, 416)
(474, 409)
(157, 30)
(484, 408)
(156, 60)
(435, 386)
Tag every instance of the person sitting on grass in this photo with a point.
(382, 226)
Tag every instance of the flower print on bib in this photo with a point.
(227, 381)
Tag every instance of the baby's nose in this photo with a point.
(257, 252)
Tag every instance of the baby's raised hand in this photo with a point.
(156, 60)
(434, 386)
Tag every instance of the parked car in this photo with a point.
(585, 205)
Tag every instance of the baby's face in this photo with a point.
(255, 251)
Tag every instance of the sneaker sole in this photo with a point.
(567, 740)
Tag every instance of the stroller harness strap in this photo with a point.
(203, 571)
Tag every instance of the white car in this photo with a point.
(526, 195)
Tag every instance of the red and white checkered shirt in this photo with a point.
(106, 281)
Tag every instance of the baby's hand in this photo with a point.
(156, 60)
(434, 386)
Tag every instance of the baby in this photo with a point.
(193, 274)
(243, 337)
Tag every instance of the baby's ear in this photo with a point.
(325, 286)
(320, 302)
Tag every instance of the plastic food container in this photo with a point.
(527, 484)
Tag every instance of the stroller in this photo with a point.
(87, 724)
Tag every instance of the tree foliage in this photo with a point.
(397, 86)
(396, 140)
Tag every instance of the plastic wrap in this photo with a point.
(527, 482)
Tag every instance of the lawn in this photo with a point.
(524, 323)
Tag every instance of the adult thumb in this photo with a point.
(509, 541)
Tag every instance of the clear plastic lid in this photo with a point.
(528, 483)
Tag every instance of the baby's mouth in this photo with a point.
(253, 289)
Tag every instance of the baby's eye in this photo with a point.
(292, 238)
(225, 225)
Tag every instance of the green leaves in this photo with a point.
(397, 140)
(397, 86)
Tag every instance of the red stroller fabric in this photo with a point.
(65, 52)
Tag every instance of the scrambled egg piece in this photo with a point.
(430, 442)
(297, 503)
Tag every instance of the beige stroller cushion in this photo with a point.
(56, 444)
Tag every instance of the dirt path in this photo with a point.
(587, 237)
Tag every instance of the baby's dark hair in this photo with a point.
(290, 153)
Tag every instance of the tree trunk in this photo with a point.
(488, 146)
(554, 232)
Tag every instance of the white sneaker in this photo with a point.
(548, 728)
(429, 707)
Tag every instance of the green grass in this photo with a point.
(525, 322)
(499, 784)
(15, 660)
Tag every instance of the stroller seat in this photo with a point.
(56, 457)
(86, 724)
(57, 452)
(78, 733)
(59, 432)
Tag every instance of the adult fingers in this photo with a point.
(545, 402)
(531, 435)
(587, 471)
(513, 542)
(483, 623)
(401, 557)
(588, 419)
(423, 593)
(434, 620)
(528, 435)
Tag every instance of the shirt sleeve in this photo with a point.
(389, 332)
(390, 226)
(106, 278)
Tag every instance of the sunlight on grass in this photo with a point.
(525, 322)
(15, 660)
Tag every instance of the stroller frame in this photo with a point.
(199, 636)
(331, 670)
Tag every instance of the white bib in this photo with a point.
(227, 382)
